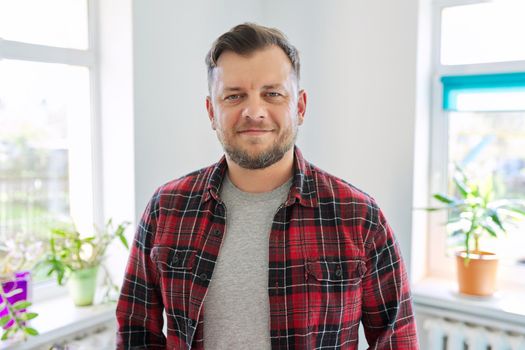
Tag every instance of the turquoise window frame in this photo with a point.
(453, 86)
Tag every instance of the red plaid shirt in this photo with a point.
(333, 262)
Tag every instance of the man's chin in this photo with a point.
(254, 159)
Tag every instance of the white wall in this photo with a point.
(359, 67)
(115, 103)
(172, 132)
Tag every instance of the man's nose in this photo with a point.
(254, 108)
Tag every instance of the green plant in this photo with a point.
(69, 251)
(474, 212)
(19, 254)
(16, 255)
(17, 316)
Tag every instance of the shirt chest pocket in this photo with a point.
(335, 272)
(169, 259)
(174, 267)
(334, 291)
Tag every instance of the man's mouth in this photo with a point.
(254, 131)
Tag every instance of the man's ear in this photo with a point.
(301, 106)
(211, 115)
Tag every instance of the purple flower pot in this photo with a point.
(21, 281)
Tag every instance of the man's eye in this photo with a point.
(232, 97)
(273, 94)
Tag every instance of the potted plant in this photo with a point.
(473, 214)
(17, 258)
(76, 259)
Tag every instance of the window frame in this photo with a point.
(438, 264)
(88, 58)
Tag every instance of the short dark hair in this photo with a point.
(246, 38)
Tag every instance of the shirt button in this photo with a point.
(338, 272)
(217, 232)
(175, 259)
(190, 323)
(203, 277)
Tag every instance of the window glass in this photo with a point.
(40, 104)
(484, 32)
(492, 144)
(62, 23)
(491, 101)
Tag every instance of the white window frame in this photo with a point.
(440, 265)
(88, 58)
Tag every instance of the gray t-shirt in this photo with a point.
(236, 308)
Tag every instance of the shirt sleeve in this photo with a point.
(387, 315)
(140, 308)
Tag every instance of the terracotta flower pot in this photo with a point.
(477, 275)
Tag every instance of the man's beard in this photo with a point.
(265, 158)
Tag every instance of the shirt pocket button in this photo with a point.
(203, 277)
(338, 272)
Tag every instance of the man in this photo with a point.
(262, 250)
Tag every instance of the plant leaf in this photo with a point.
(22, 304)
(457, 232)
(515, 209)
(59, 232)
(431, 208)
(489, 229)
(30, 331)
(453, 220)
(28, 316)
(60, 277)
(4, 320)
(494, 216)
(444, 198)
(461, 186)
(124, 240)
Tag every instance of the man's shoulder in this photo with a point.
(332, 188)
(191, 184)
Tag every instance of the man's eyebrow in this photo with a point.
(232, 89)
(273, 86)
(228, 89)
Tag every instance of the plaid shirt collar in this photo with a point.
(302, 191)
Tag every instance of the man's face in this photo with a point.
(255, 107)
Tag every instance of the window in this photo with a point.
(47, 95)
(486, 32)
(478, 117)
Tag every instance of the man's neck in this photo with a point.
(261, 180)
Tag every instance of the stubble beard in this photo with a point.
(262, 159)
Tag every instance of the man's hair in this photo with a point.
(244, 39)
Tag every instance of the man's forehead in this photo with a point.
(264, 68)
(269, 60)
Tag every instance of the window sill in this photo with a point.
(442, 296)
(59, 319)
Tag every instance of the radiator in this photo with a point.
(445, 334)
